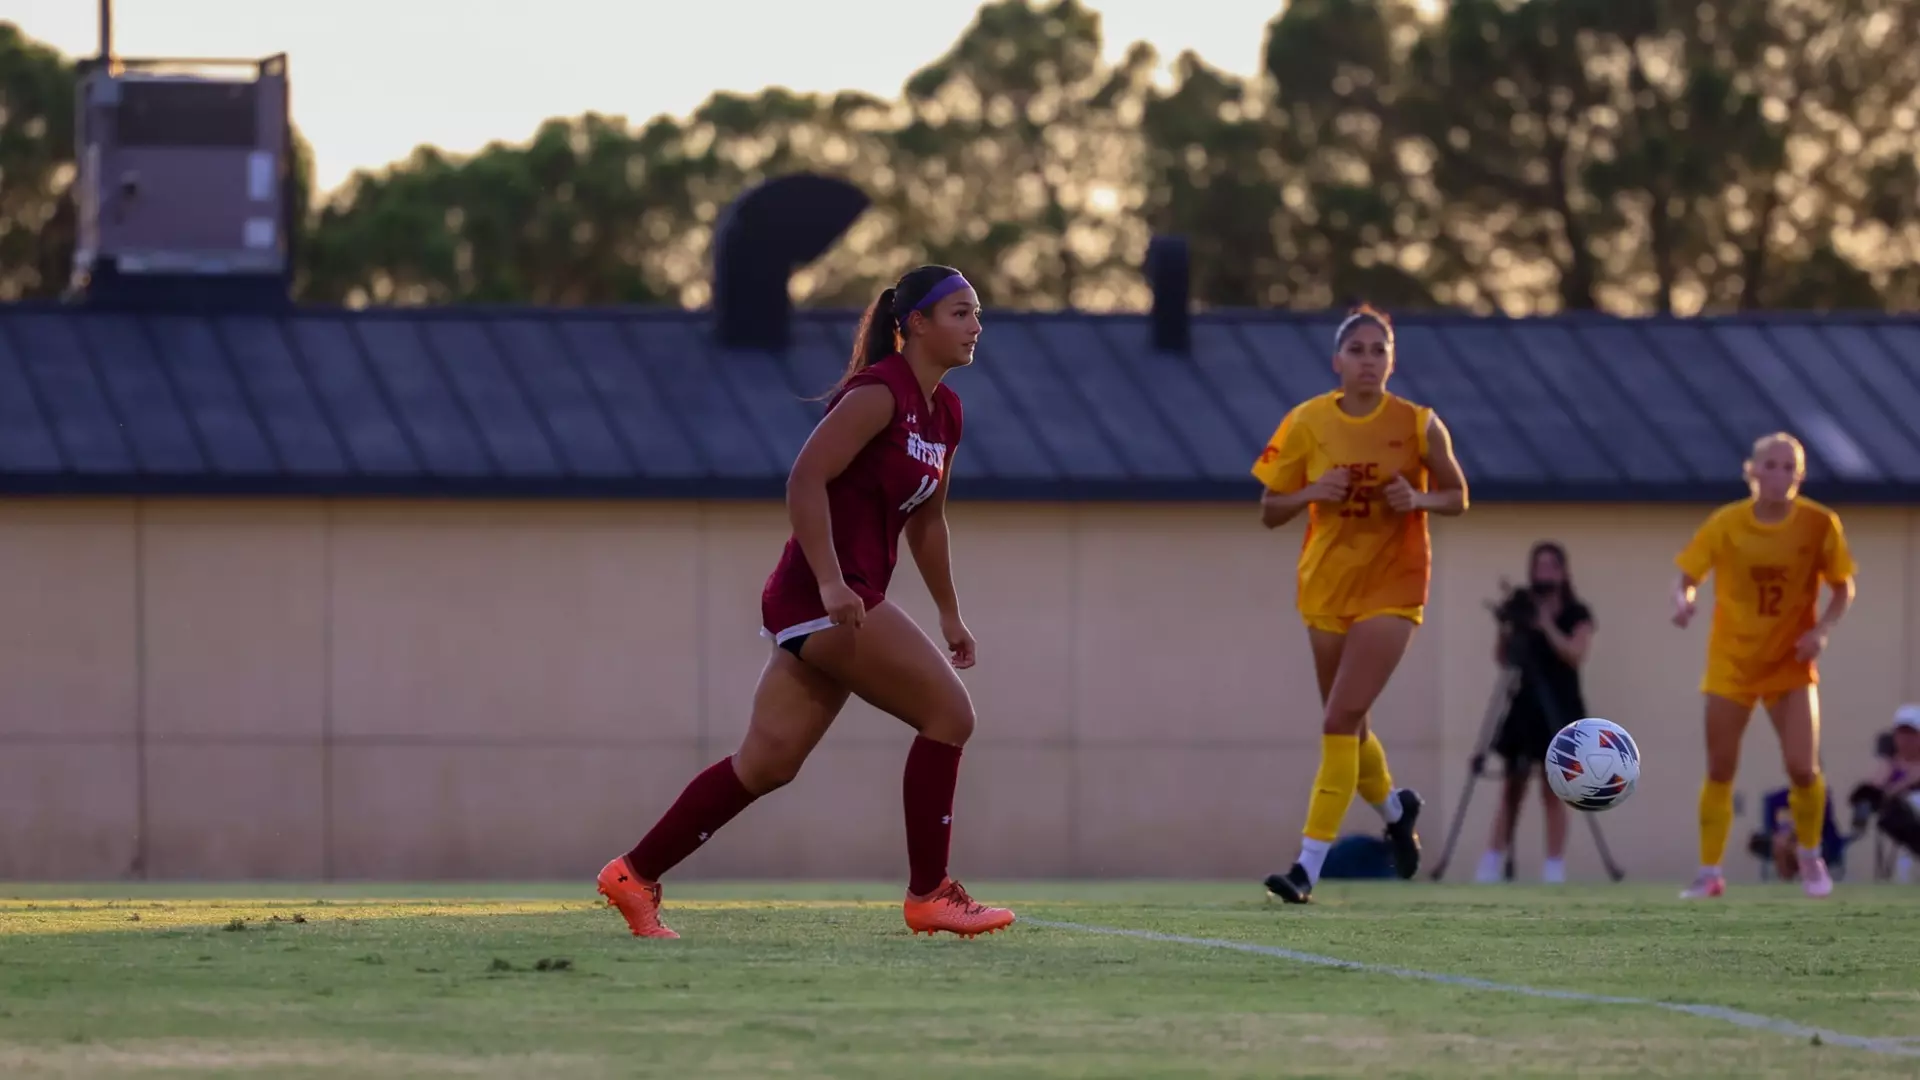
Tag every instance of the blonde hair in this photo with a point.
(1767, 442)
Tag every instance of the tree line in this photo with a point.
(1491, 155)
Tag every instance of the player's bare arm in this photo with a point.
(931, 544)
(1449, 495)
(1278, 507)
(840, 436)
(1839, 599)
(1686, 592)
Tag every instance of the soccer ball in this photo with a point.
(1593, 764)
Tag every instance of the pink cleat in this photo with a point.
(1708, 886)
(1813, 875)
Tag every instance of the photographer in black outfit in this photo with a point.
(1892, 797)
(1545, 632)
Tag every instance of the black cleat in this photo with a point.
(1294, 886)
(1401, 834)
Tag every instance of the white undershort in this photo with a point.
(811, 626)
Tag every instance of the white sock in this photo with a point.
(1389, 810)
(1312, 854)
(1493, 866)
(1554, 871)
(1710, 871)
(1808, 854)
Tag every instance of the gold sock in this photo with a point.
(1808, 805)
(1376, 781)
(1333, 786)
(1716, 820)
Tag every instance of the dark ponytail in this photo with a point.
(883, 328)
(878, 335)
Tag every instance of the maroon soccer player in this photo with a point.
(877, 465)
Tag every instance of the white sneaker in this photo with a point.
(1493, 869)
(1709, 885)
(1813, 875)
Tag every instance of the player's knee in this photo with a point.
(766, 765)
(1802, 775)
(1343, 718)
(951, 724)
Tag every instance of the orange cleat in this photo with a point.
(637, 898)
(949, 908)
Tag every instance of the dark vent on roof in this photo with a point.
(764, 236)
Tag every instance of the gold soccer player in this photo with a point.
(1358, 460)
(1768, 555)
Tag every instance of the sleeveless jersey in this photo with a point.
(869, 503)
(1359, 556)
(1766, 585)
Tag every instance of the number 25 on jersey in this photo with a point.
(1363, 486)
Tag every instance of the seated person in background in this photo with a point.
(1893, 795)
(1774, 840)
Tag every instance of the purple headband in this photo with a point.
(945, 287)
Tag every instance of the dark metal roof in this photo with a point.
(633, 403)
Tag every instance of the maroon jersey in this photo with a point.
(869, 503)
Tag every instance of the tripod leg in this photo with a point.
(1489, 728)
(1600, 843)
(1513, 797)
(1453, 830)
(1593, 823)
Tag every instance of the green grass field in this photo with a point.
(824, 981)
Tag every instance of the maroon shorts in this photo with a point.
(788, 613)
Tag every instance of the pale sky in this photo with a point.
(374, 78)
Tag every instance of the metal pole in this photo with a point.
(106, 31)
(1497, 706)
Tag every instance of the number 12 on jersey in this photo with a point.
(928, 485)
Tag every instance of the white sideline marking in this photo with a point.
(1898, 1047)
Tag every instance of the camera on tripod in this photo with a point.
(1518, 614)
(1519, 610)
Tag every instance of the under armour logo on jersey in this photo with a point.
(703, 837)
(912, 419)
(948, 820)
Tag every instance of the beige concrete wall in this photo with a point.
(446, 690)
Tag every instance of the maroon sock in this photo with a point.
(933, 770)
(714, 798)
